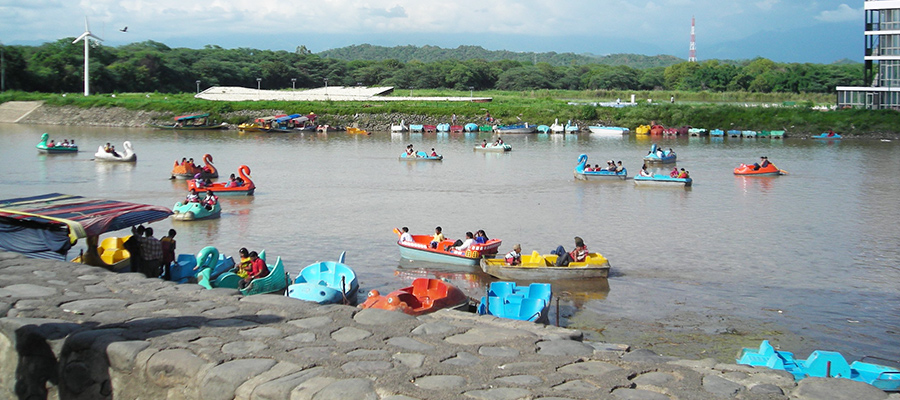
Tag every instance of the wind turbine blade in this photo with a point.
(87, 28)
(82, 37)
(92, 36)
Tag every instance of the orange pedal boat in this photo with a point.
(187, 170)
(221, 188)
(748, 170)
(424, 296)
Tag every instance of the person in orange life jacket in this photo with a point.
(577, 255)
(683, 174)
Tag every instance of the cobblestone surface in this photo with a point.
(145, 338)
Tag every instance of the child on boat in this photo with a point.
(437, 238)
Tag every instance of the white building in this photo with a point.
(882, 59)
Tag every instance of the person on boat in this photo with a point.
(683, 174)
(674, 173)
(763, 162)
(578, 255)
(168, 249)
(433, 153)
(243, 269)
(210, 200)
(183, 160)
(588, 168)
(231, 181)
(65, 143)
(405, 236)
(197, 181)
(660, 153)
(514, 257)
(619, 167)
(239, 181)
(258, 269)
(112, 150)
(830, 133)
(437, 238)
(51, 144)
(72, 143)
(480, 237)
(464, 245)
(499, 141)
(194, 166)
(483, 143)
(611, 166)
(192, 197)
(107, 148)
(644, 171)
(410, 151)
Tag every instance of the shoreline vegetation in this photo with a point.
(798, 115)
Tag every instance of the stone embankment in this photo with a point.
(77, 332)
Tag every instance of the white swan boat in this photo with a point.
(125, 156)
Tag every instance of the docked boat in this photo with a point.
(205, 267)
(657, 130)
(751, 170)
(192, 122)
(491, 147)
(543, 129)
(828, 135)
(458, 128)
(429, 128)
(399, 128)
(223, 188)
(660, 156)
(661, 180)
(717, 133)
(748, 134)
(471, 127)
(524, 303)
(608, 130)
(126, 156)
(570, 127)
(421, 156)
(642, 130)
(420, 250)
(443, 127)
(56, 148)
(357, 131)
(821, 364)
(734, 133)
(763, 134)
(537, 267)
(275, 282)
(556, 127)
(416, 127)
(698, 132)
(195, 212)
(329, 129)
(326, 282)
(777, 134)
(670, 132)
(186, 170)
(518, 128)
(113, 253)
(426, 295)
(487, 128)
(580, 172)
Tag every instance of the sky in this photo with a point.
(817, 31)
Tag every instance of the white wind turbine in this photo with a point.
(86, 36)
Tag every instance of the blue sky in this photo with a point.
(820, 31)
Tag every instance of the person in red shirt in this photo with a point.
(258, 269)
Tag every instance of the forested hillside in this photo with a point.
(368, 52)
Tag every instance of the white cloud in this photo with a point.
(767, 5)
(842, 14)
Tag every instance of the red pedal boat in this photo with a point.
(221, 188)
(186, 170)
(424, 296)
(748, 170)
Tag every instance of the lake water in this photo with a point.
(815, 251)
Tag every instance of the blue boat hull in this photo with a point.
(326, 282)
(524, 303)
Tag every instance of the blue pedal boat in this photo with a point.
(209, 263)
(821, 364)
(420, 156)
(581, 174)
(661, 180)
(717, 132)
(524, 303)
(326, 282)
(654, 157)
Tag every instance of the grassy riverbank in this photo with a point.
(756, 111)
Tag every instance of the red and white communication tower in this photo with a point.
(692, 56)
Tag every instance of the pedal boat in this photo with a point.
(420, 156)
(747, 170)
(492, 148)
(426, 295)
(537, 267)
(667, 157)
(828, 135)
(195, 212)
(220, 188)
(56, 149)
(189, 172)
(420, 250)
(126, 156)
(581, 174)
(661, 180)
(326, 282)
(524, 303)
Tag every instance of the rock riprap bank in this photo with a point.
(78, 332)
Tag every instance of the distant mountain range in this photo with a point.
(427, 54)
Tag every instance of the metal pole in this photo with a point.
(2, 69)
(198, 86)
(294, 83)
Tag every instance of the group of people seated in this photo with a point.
(209, 201)
(610, 166)
(563, 258)
(65, 143)
(234, 181)
(479, 237)
(763, 162)
(251, 267)
(110, 149)
(185, 162)
(682, 174)
(660, 153)
(497, 143)
(410, 152)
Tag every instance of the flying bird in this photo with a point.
(125, 29)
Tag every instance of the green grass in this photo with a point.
(707, 110)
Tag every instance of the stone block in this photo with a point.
(280, 388)
(170, 368)
(221, 382)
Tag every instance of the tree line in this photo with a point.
(150, 66)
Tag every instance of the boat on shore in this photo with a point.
(659, 156)
(192, 122)
(471, 127)
(416, 127)
(556, 127)
(661, 180)
(399, 128)
(187, 170)
(582, 174)
(126, 156)
(45, 147)
(607, 130)
(458, 128)
(357, 131)
(326, 282)
(420, 250)
(538, 267)
(223, 188)
(518, 128)
(821, 364)
(524, 303)
(698, 132)
(275, 282)
(642, 130)
(426, 295)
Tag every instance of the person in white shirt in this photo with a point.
(405, 236)
(470, 240)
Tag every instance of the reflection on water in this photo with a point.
(820, 244)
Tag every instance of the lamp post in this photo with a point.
(471, 88)
(198, 86)
(258, 82)
(294, 83)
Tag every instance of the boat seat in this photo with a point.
(112, 243)
(539, 291)
(818, 364)
(501, 289)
